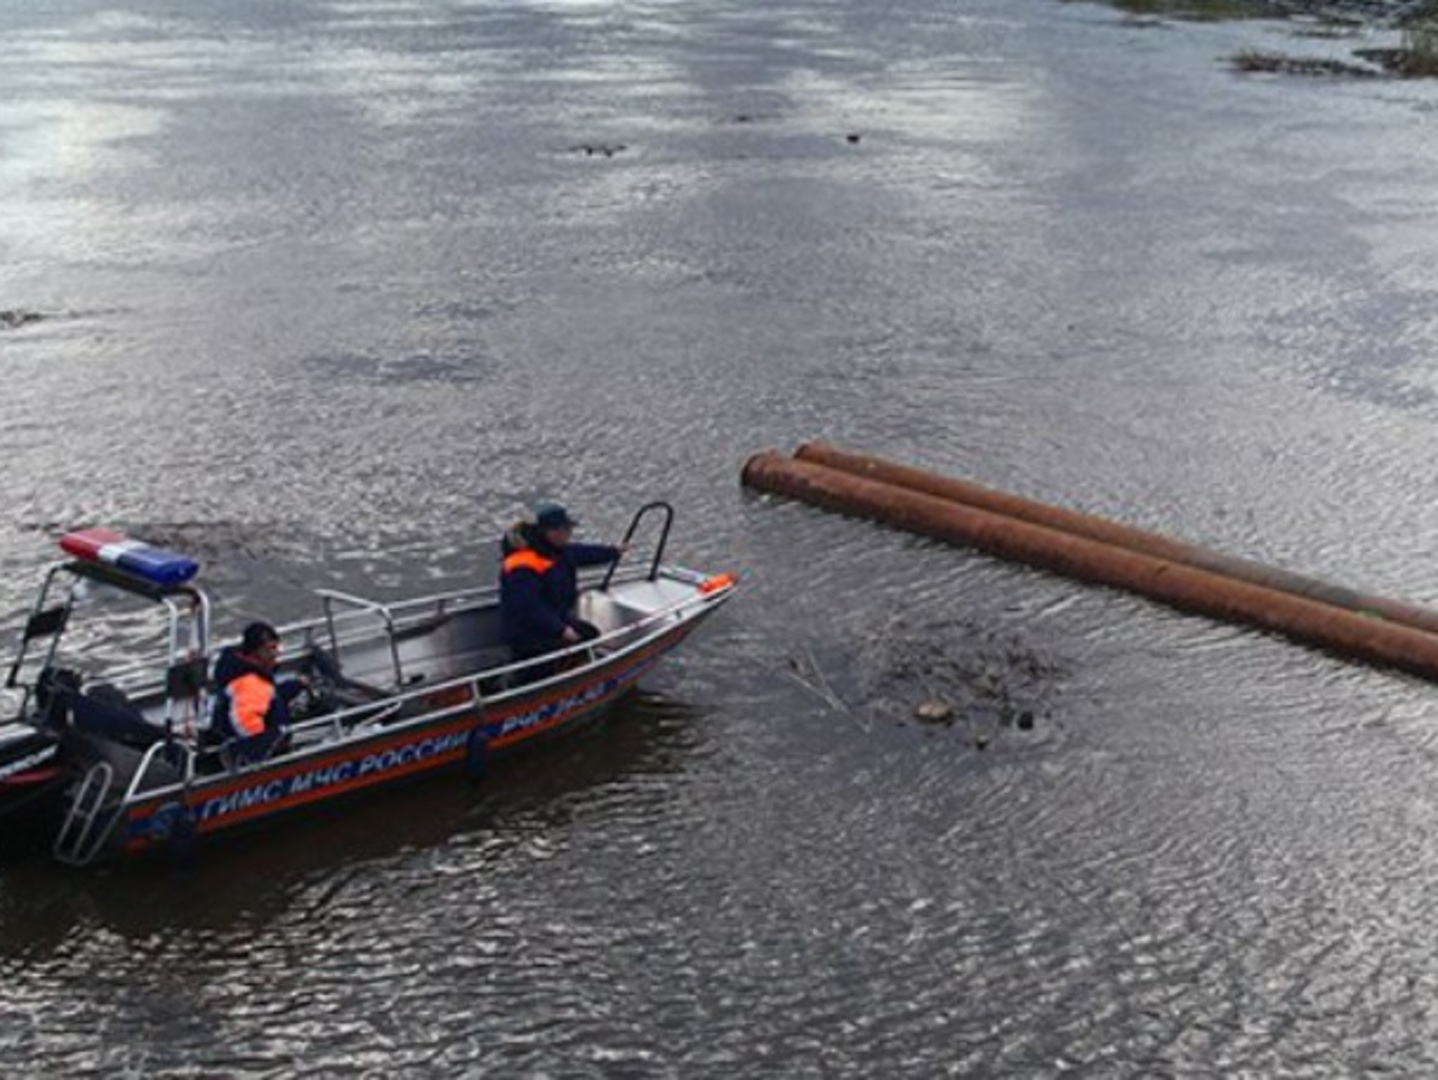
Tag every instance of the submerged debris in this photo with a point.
(1408, 63)
(1389, 12)
(13, 318)
(935, 711)
(952, 675)
(748, 118)
(601, 149)
(1252, 60)
(1403, 63)
(961, 674)
(1197, 10)
(1416, 20)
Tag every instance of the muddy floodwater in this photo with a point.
(324, 292)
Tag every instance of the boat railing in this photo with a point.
(330, 597)
(503, 675)
(418, 608)
(357, 719)
(444, 602)
(481, 683)
(344, 722)
(78, 841)
(630, 636)
(354, 626)
(163, 749)
(345, 627)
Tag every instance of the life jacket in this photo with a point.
(251, 696)
(539, 588)
(527, 559)
(246, 704)
(537, 593)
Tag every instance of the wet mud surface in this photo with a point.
(1412, 24)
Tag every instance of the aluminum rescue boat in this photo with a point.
(109, 754)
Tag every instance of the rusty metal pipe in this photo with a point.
(1113, 532)
(1182, 586)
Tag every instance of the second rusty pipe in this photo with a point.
(1113, 532)
(1177, 584)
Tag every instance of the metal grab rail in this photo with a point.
(76, 842)
(12, 680)
(629, 535)
(171, 753)
(73, 843)
(329, 596)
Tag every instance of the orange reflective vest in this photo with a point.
(251, 696)
(526, 559)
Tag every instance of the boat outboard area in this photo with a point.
(111, 752)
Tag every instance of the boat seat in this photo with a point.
(421, 628)
(106, 711)
(346, 691)
(55, 691)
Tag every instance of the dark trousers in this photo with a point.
(259, 747)
(587, 631)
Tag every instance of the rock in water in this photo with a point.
(934, 711)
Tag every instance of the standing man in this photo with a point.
(539, 585)
(250, 711)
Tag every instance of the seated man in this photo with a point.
(251, 712)
(539, 586)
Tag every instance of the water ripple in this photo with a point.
(328, 298)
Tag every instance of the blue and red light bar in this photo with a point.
(155, 565)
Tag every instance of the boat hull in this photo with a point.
(459, 736)
(33, 781)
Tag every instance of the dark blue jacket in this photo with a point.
(245, 689)
(539, 590)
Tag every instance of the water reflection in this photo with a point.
(340, 298)
(292, 870)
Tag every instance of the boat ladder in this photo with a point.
(75, 844)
